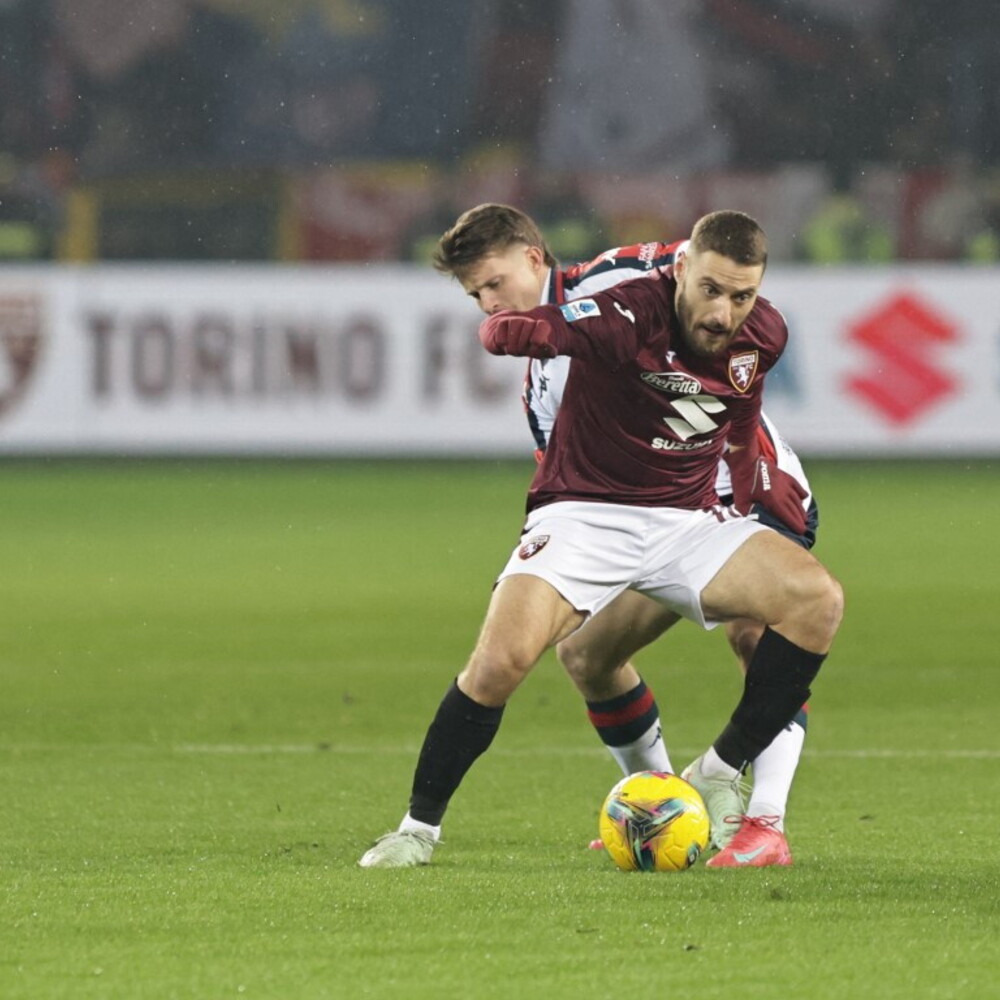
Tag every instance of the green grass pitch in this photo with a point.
(216, 677)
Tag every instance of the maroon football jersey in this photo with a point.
(643, 420)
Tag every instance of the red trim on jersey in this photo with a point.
(634, 261)
(764, 442)
(559, 294)
(622, 716)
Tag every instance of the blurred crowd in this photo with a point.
(358, 129)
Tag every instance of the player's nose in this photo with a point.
(721, 314)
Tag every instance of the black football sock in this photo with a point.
(460, 732)
(775, 689)
(629, 726)
(624, 719)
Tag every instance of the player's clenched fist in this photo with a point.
(780, 493)
(510, 333)
(774, 489)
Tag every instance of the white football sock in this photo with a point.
(647, 753)
(409, 823)
(712, 763)
(773, 771)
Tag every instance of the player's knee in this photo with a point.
(492, 675)
(820, 602)
(830, 599)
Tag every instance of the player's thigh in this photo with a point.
(526, 615)
(630, 622)
(763, 579)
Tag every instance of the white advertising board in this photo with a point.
(384, 360)
(893, 361)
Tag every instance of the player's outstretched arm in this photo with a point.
(608, 327)
(517, 334)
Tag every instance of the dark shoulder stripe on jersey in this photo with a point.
(643, 258)
(557, 294)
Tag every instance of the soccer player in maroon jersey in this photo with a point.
(665, 371)
(501, 259)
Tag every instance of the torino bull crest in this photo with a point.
(742, 368)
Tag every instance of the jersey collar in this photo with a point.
(552, 291)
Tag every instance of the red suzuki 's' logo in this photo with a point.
(902, 380)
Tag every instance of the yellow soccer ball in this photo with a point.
(654, 822)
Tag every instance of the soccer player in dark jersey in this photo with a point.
(666, 371)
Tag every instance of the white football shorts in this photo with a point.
(591, 552)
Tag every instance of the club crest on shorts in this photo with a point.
(742, 369)
(533, 546)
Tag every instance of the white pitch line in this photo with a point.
(276, 749)
(915, 754)
(266, 748)
(305, 748)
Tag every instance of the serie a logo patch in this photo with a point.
(533, 546)
(580, 309)
(742, 369)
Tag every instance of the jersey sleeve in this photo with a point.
(608, 327)
(746, 418)
(617, 265)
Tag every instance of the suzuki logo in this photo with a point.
(902, 379)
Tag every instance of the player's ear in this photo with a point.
(680, 266)
(536, 256)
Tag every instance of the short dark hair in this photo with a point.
(483, 230)
(733, 235)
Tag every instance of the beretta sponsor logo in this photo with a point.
(674, 382)
(533, 546)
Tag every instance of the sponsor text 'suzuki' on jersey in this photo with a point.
(643, 420)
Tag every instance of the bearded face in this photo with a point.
(714, 297)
